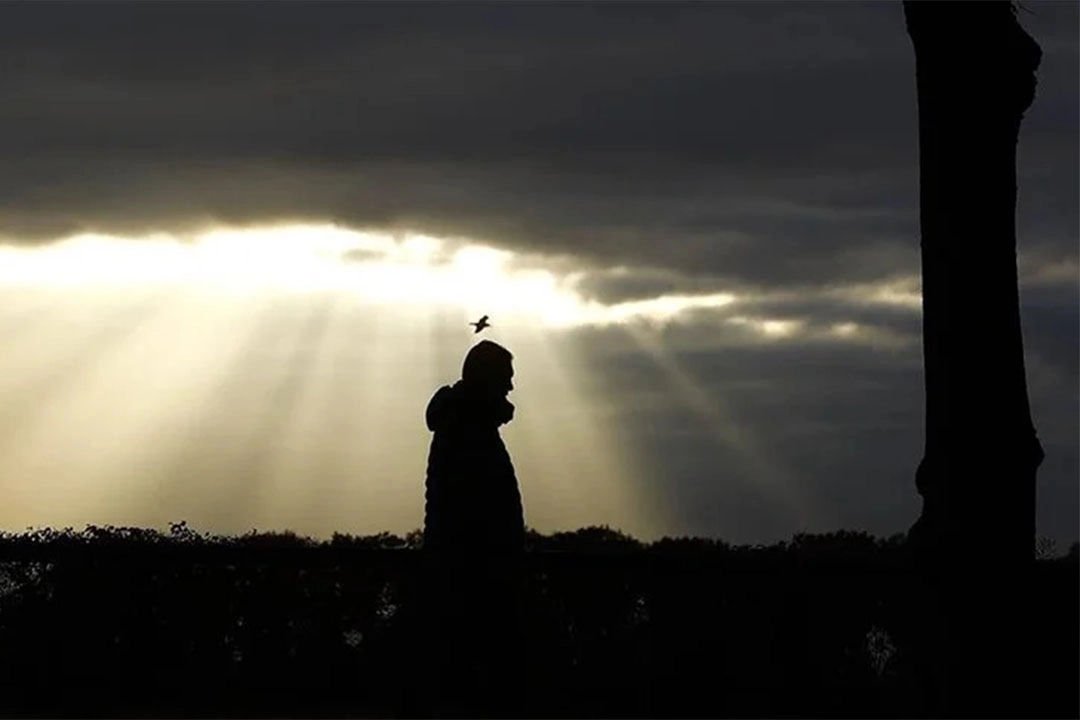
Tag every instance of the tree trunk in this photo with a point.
(975, 78)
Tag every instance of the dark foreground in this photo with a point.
(114, 622)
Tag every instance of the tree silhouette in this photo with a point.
(975, 77)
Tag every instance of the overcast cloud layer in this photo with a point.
(716, 147)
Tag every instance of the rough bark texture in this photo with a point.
(975, 69)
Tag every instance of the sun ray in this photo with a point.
(250, 406)
(264, 466)
(367, 413)
(579, 476)
(203, 440)
(313, 483)
(49, 360)
(25, 310)
(66, 424)
(34, 380)
(315, 480)
(769, 477)
(286, 386)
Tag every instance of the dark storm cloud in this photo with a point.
(757, 144)
(596, 127)
(605, 130)
(620, 284)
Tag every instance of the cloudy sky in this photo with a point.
(239, 245)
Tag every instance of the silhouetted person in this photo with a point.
(472, 498)
(474, 533)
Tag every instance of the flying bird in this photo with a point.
(480, 324)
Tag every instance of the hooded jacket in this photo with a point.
(472, 501)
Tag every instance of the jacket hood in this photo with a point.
(455, 406)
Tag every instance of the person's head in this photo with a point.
(489, 368)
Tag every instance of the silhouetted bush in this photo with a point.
(129, 621)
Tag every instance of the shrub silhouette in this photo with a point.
(128, 621)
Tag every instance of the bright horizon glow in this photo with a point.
(403, 270)
(379, 268)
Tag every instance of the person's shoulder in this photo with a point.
(441, 409)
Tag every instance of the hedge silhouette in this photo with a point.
(132, 622)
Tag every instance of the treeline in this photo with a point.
(838, 544)
(135, 622)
